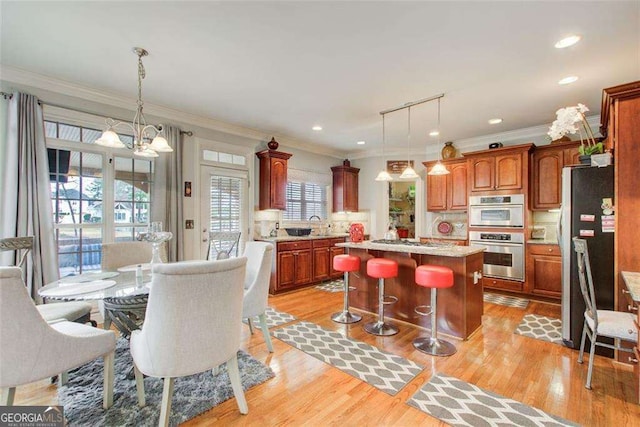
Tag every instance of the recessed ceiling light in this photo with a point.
(567, 41)
(361, 142)
(495, 121)
(568, 80)
(317, 127)
(434, 133)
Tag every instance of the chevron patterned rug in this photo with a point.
(332, 286)
(541, 328)
(459, 403)
(385, 371)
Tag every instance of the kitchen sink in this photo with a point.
(298, 231)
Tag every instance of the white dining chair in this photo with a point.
(618, 325)
(192, 324)
(32, 349)
(256, 285)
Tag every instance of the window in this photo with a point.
(96, 196)
(225, 203)
(305, 199)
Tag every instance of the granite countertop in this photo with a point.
(542, 242)
(445, 237)
(632, 280)
(446, 251)
(298, 238)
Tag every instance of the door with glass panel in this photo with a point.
(223, 207)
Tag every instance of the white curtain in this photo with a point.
(26, 200)
(167, 193)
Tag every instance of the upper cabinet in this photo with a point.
(273, 179)
(447, 192)
(547, 163)
(345, 188)
(501, 169)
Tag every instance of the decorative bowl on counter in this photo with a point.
(298, 231)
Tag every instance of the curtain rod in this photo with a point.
(41, 102)
(411, 104)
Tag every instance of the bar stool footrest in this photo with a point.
(418, 310)
(389, 299)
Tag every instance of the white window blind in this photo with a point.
(305, 199)
(226, 202)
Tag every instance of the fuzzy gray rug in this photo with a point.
(193, 395)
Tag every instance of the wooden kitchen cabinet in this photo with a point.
(345, 188)
(547, 163)
(273, 179)
(544, 270)
(321, 260)
(501, 169)
(334, 250)
(447, 192)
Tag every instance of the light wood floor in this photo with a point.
(306, 391)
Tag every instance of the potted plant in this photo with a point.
(572, 120)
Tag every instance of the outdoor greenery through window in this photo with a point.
(305, 199)
(95, 197)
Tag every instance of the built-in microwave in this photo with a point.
(497, 211)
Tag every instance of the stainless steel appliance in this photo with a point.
(497, 211)
(504, 254)
(581, 215)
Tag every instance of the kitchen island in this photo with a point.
(460, 307)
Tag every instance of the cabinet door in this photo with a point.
(482, 173)
(303, 267)
(333, 273)
(350, 191)
(278, 191)
(321, 260)
(286, 269)
(457, 195)
(547, 271)
(547, 179)
(508, 170)
(437, 192)
(571, 156)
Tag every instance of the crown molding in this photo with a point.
(30, 79)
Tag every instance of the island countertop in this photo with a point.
(423, 249)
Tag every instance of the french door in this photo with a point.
(224, 204)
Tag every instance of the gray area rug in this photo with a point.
(459, 403)
(541, 328)
(274, 318)
(193, 395)
(385, 371)
(332, 286)
(505, 300)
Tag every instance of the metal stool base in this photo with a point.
(346, 317)
(434, 346)
(380, 329)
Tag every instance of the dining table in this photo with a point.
(124, 296)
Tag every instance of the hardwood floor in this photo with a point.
(306, 391)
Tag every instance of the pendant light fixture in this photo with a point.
(408, 172)
(438, 168)
(383, 175)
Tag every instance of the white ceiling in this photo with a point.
(282, 67)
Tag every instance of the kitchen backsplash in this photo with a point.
(544, 226)
(457, 219)
(265, 223)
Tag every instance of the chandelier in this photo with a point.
(147, 139)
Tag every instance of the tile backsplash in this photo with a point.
(547, 221)
(457, 219)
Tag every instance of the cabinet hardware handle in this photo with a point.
(633, 359)
(550, 250)
(624, 291)
(632, 308)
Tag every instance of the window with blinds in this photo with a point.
(226, 202)
(305, 199)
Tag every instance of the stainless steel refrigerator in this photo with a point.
(585, 214)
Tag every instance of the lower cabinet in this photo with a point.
(544, 270)
(506, 285)
(303, 262)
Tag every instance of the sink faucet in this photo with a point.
(319, 219)
(315, 216)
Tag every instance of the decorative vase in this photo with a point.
(273, 144)
(356, 232)
(449, 151)
(585, 159)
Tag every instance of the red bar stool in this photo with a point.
(382, 268)
(346, 263)
(434, 277)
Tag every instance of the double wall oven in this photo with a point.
(504, 249)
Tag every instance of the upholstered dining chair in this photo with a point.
(223, 244)
(73, 311)
(256, 285)
(33, 349)
(192, 325)
(599, 323)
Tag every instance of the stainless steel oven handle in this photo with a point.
(513, 245)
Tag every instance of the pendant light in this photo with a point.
(438, 168)
(408, 173)
(383, 175)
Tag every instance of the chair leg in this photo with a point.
(265, 332)
(7, 396)
(236, 384)
(107, 399)
(215, 371)
(165, 410)
(592, 353)
(63, 378)
(583, 341)
(142, 401)
(250, 325)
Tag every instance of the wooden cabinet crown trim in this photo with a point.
(494, 151)
(610, 94)
(271, 153)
